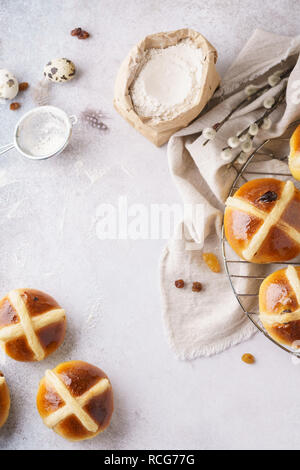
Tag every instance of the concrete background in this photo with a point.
(110, 288)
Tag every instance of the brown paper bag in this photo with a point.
(159, 133)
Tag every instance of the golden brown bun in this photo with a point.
(294, 158)
(87, 392)
(279, 305)
(4, 400)
(32, 324)
(262, 221)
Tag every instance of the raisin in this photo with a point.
(179, 284)
(83, 35)
(287, 311)
(248, 358)
(212, 262)
(76, 31)
(197, 287)
(35, 298)
(15, 106)
(80, 33)
(269, 196)
(23, 86)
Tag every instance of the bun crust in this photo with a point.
(32, 324)
(262, 221)
(294, 158)
(279, 306)
(4, 400)
(76, 400)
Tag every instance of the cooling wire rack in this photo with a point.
(236, 268)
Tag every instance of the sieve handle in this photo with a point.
(73, 119)
(6, 148)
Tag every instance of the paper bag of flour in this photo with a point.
(156, 130)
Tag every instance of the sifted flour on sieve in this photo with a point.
(42, 133)
(168, 81)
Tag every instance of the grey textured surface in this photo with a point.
(110, 288)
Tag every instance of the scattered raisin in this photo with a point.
(287, 311)
(197, 287)
(179, 284)
(248, 358)
(23, 86)
(83, 35)
(15, 106)
(76, 31)
(80, 33)
(35, 298)
(212, 262)
(269, 196)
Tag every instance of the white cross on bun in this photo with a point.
(32, 324)
(262, 221)
(75, 400)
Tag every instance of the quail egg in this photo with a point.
(59, 70)
(9, 85)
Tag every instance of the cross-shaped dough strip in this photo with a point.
(2, 381)
(52, 420)
(292, 277)
(272, 218)
(73, 406)
(40, 321)
(32, 339)
(283, 318)
(291, 231)
(269, 220)
(247, 207)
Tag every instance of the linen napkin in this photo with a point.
(208, 322)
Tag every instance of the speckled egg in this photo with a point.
(9, 85)
(59, 70)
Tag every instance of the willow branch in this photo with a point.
(248, 100)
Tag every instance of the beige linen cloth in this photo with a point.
(206, 323)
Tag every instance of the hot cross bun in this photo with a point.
(76, 400)
(279, 305)
(32, 324)
(4, 400)
(262, 221)
(294, 157)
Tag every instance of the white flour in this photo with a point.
(42, 133)
(168, 81)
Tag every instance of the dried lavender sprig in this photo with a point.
(248, 101)
(279, 99)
